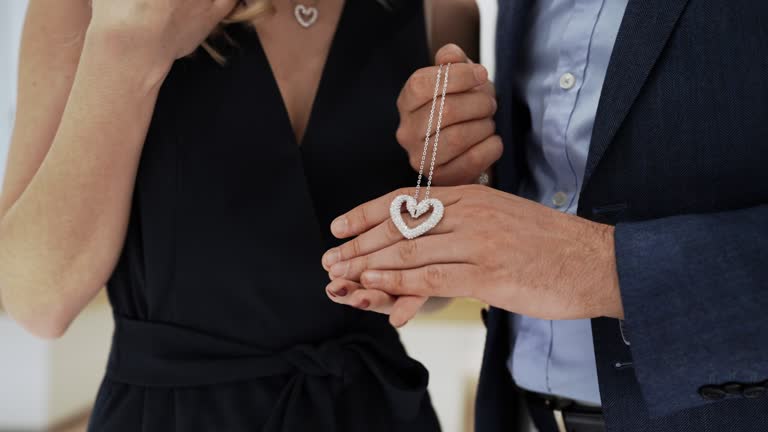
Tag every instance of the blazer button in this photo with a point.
(733, 388)
(753, 392)
(712, 393)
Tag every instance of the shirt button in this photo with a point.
(559, 199)
(567, 81)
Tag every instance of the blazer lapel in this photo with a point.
(644, 32)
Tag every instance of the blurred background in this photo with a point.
(50, 386)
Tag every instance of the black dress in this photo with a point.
(221, 318)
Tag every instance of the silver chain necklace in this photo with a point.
(412, 204)
(305, 15)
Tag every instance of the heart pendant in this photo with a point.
(306, 16)
(415, 210)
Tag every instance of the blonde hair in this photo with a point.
(247, 12)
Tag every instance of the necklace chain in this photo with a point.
(429, 132)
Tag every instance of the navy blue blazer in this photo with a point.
(679, 163)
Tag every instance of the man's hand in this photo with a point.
(506, 251)
(468, 144)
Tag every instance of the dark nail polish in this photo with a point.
(365, 304)
(342, 292)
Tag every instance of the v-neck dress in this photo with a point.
(221, 318)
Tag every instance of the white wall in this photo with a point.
(24, 377)
(11, 18)
(487, 33)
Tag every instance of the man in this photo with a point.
(648, 119)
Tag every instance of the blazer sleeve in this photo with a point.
(695, 295)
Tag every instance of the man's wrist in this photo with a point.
(608, 275)
(596, 279)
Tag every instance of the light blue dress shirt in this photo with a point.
(567, 54)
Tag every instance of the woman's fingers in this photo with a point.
(222, 8)
(353, 294)
(401, 309)
(404, 309)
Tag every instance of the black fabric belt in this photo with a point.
(154, 354)
(552, 414)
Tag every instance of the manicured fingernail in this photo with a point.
(340, 269)
(371, 279)
(331, 257)
(481, 74)
(339, 226)
(341, 292)
(330, 293)
(365, 304)
(494, 104)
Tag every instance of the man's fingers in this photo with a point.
(438, 280)
(456, 139)
(451, 53)
(404, 309)
(366, 216)
(406, 254)
(468, 166)
(383, 235)
(459, 108)
(420, 87)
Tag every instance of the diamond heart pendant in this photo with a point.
(306, 15)
(415, 210)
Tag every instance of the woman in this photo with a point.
(199, 186)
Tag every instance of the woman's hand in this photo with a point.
(401, 309)
(468, 144)
(90, 73)
(165, 30)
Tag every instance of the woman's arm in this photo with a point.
(90, 71)
(453, 21)
(81, 122)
